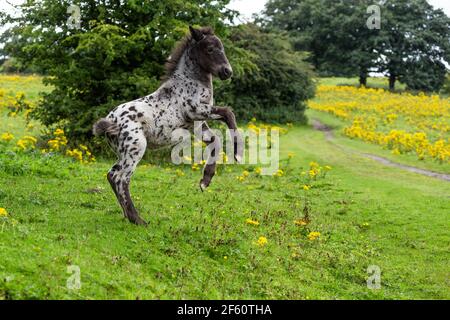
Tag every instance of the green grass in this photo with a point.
(31, 85)
(367, 214)
(379, 82)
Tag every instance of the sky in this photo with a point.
(249, 7)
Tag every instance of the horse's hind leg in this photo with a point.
(111, 174)
(213, 146)
(113, 143)
(129, 209)
(132, 149)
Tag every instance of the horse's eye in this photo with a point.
(210, 50)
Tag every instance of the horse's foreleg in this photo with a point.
(213, 146)
(228, 117)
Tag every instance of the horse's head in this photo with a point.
(210, 53)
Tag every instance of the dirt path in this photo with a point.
(329, 137)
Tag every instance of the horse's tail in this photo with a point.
(105, 126)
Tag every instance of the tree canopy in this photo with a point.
(116, 55)
(413, 37)
(118, 50)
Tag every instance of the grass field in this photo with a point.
(61, 213)
(382, 83)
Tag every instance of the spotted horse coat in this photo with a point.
(185, 96)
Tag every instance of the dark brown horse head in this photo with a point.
(209, 52)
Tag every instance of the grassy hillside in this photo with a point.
(320, 238)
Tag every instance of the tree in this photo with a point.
(335, 33)
(446, 88)
(277, 88)
(412, 38)
(359, 43)
(416, 42)
(117, 53)
(11, 65)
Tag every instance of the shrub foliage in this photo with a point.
(276, 89)
(118, 54)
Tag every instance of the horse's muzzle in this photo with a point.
(225, 73)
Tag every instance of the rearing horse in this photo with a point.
(185, 96)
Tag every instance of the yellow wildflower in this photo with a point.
(314, 165)
(76, 154)
(224, 157)
(7, 137)
(375, 115)
(27, 142)
(301, 222)
(313, 173)
(262, 241)
(59, 132)
(3, 212)
(279, 173)
(31, 139)
(252, 222)
(313, 235)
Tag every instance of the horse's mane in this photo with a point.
(178, 51)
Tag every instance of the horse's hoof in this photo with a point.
(138, 221)
(203, 185)
(141, 222)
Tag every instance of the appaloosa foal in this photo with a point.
(185, 96)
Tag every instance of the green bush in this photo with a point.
(276, 89)
(119, 51)
(116, 55)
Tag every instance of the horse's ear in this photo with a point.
(197, 34)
